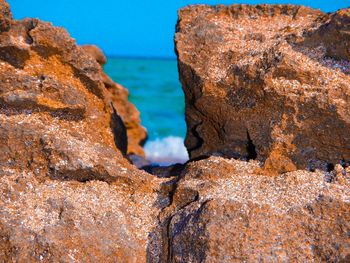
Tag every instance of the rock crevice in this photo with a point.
(64, 181)
(130, 116)
(269, 69)
(264, 88)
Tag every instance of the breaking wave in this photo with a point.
(166, 151)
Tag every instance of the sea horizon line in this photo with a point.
(140, 57)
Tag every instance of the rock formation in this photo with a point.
(66, 192)
(335, 29)
(137, 134)
(258, 86)
(6, 16)
(223, 212)
(96, 53)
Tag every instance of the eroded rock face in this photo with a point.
(66, 192)
(96, 53)
(222, 211)
(334, 34)
(137, 134)
(53, 104)
(5, 16)
(70, 221)
(256, 88)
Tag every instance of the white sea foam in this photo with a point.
(166, 151)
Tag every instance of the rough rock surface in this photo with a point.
(334, 34)
(256, 87)
(223, 212)
(53, 104)
(5, 16)
(96, 53)
(70, 221)
(137, 134)
(67, 193)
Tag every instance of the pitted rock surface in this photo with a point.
(256, 88)
(222, 211)
(67, 193)
(136, 133)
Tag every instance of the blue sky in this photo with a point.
(129, 27)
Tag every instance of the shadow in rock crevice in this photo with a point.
(119, 131)
(174, 226)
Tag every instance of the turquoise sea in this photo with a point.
(155, 89)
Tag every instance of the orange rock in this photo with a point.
(119, 95)
(68, 194)
(256, 88)
(96, 53)
(223, 212)
(333, 34)
(66, 191)
(5, 16)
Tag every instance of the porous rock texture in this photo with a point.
(334, 34)
(67, 194)
(268, 81)
(223, 212)
(137, 134)
(96, 53)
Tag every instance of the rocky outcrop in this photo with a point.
(51, 101)
(223, 212)
(333, 34)
(137, 134)
(5, 16)
(66, 192)
(256, 88)
(71, 221)
(271, 83)
(96, 53)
